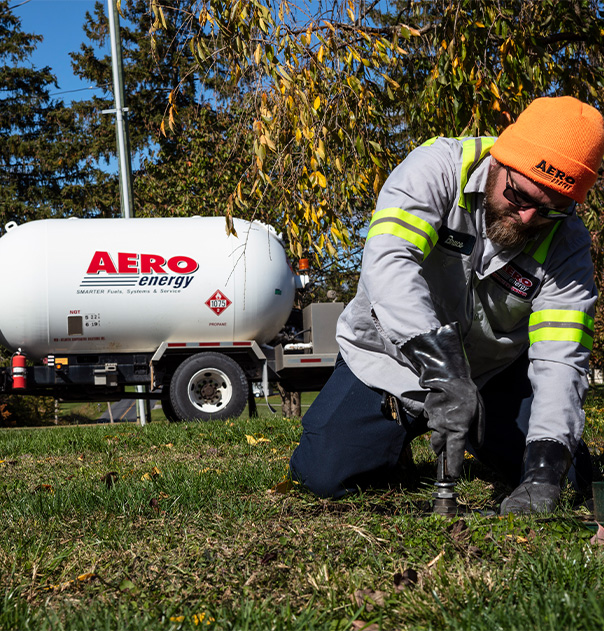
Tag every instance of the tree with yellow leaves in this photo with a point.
(334, 95)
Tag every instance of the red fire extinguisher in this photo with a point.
(18, 371)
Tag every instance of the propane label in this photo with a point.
(218, 302)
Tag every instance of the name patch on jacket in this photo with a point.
(515, 280)
(456, 241)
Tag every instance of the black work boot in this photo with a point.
(546, 462)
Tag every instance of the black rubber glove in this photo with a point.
(453, 405)
(546, 462)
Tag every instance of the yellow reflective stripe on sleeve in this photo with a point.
(405, 225)
(562, 335)
(561, 325)
(473, 151)
(563, 316)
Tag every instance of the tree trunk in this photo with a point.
(291, 402)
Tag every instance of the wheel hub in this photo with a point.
(210, 390)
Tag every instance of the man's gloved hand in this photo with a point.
(546, 462)
(453, 405)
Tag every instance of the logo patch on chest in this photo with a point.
(515, 280)
(456, 241)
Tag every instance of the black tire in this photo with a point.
(208, 386)
(168, 410)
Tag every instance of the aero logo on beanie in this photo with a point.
(557, 177)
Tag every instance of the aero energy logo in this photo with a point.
(146, 271)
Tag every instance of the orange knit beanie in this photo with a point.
(557, 142)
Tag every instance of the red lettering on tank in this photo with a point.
(132, 263)
(152, 263)
(127, 263)
(101, 262)
(182, 265)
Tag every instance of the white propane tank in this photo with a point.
(126, 285)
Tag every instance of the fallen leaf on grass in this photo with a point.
(110, 478)
(88, 576)
(407, 579)
(517, 538)
(48, 488)
(198, 618)
(359, 625)
(284, 487)
(60, 587)
(83, 578)
(598, 538)
(154, 473)
(269, 556)
(255, 441)
(369, 598)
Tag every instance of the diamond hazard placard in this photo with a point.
(218, 302)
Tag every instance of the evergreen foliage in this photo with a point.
(45, 166)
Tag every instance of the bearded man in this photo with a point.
(474, 310)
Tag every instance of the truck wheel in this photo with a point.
(208, 386)
(168, 410)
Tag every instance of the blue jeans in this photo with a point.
(348, 444)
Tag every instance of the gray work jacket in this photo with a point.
(427, 262)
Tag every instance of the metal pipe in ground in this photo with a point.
(444, 498)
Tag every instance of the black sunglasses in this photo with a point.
(524, 202)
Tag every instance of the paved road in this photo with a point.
(123, 411)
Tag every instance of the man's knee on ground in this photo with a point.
(318, 480)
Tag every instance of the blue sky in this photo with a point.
(60, 23)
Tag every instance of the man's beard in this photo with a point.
(504, 232)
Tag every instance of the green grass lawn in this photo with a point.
(180, 527)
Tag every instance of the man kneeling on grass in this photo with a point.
(475, 310)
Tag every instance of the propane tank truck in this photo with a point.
(91, 306)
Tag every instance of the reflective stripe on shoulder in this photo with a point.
(539, 249)
(473, 152)
(403, 224)
(561, 325)
(430, 141)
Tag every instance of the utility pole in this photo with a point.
(121, 112)
(123, 142)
